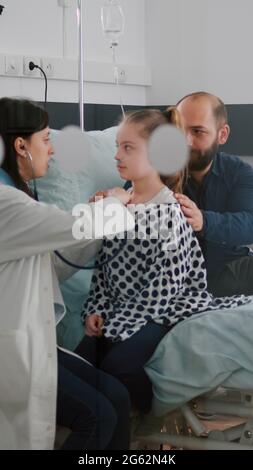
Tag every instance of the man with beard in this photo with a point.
(218, 196)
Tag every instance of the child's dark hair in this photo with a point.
(151, 119)
(18, 118)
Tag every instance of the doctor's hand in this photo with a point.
(120, 193)
(191, 211)
(98, 195)
(93, 325)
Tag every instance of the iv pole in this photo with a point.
(80, 60)
(116, 9)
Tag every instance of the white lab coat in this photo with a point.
(29, 232)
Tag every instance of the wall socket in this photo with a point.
(122, 75)
(26, 70)
(48, 67)
(12, 65)
(119, 75)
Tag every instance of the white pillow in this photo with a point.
(67, 189)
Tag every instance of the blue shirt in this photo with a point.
(226, 200)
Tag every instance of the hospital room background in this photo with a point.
(168, 48)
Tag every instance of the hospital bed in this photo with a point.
(203, 369)
(202, 375)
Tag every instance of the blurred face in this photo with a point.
(203, 133)
(132, 155)
(41, 150)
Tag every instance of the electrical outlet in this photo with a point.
(122, 75)
(26, 70)
(48, 67)
(119, 75)
(12, 65)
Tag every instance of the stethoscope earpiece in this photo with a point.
(29, 156)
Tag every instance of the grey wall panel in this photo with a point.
(241, 122)
(100, 116)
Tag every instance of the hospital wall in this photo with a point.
(34, 28)
(200, 45)
(187, 45)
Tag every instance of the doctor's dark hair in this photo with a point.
(150, 119)
(18, 118)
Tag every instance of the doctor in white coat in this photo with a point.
(31, 400)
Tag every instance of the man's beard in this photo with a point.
(200, 160)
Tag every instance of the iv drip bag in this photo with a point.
(112, 19)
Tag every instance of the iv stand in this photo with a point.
(80, 60)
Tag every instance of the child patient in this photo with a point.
(156, 280)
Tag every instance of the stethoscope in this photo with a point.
(59, 255)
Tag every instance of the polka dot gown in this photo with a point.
(158, 276)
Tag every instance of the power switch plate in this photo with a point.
(12, 65)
